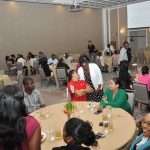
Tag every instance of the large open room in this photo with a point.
(74, 75)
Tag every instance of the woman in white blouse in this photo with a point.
(91, 73)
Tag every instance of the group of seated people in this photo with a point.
(18, 130)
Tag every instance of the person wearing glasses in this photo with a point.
(143, 141)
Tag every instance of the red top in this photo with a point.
(77, 85)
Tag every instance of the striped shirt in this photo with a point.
(33, 101)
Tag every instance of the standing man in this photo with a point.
(129, 54)
(32, 97)
(91, 49)
(123, 53)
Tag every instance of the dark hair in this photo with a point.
(145, 70)
(125, 43)
(80, 131)
(12, 55)
(26, 80)
(12, 121)
(89, 41)
(61, 60)
(7, 58)
(115, 52)
(83, 56)
(71, 72)
(118, 81)
(83, 59)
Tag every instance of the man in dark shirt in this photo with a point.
(91, 49)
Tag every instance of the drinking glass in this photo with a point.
(57, 131)
(51, 135)
(106, 127)
(104, 115)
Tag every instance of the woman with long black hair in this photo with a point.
(18, 131)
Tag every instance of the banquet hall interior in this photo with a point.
(65, 27)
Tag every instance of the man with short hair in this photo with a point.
(67, 59)
(52, 60)
(91, 48)
(32, 97)
(123, 53)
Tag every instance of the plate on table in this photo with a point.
(43, 136)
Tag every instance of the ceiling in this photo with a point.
(85, 3)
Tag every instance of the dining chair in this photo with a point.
(20, 81)
(141, 94)
(2, 72)
(141, 58)
(35, 67)
(1, 84)
(131, 96)
(115, 66)
(43, 76)
(61, 74)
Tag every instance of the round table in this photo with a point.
(124, 126)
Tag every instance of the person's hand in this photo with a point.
(97, 90)
(99, 107)
(105, 99)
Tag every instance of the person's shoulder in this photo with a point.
(31, 121)
(123, 91)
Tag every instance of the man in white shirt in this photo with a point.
(52, 60)
(123, 53)
(109, 49)
(67, 59)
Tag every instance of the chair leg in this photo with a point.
(134, 104)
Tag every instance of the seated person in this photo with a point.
(62, 64)
(125, 76)
(115, 96)
(52, 60)
(100, 62)
(9, 63)
(22, 60)
(142, 142)
(67, 59)
(115, 58)
(30, 55)
(109, 49)
(32, 97)
(77, 88)
(13, 58)
(18, 131)
(44, 65)
(32, 59)
(75, 133)
(144, 78)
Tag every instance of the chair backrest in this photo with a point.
(19, 66)
(131, 96)
(115, 62)
(2, 72)
(36, 64)
(61, 73)
(20, 80)
(141, 93)
(42, 74)
(1, 84)
(98, 62)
